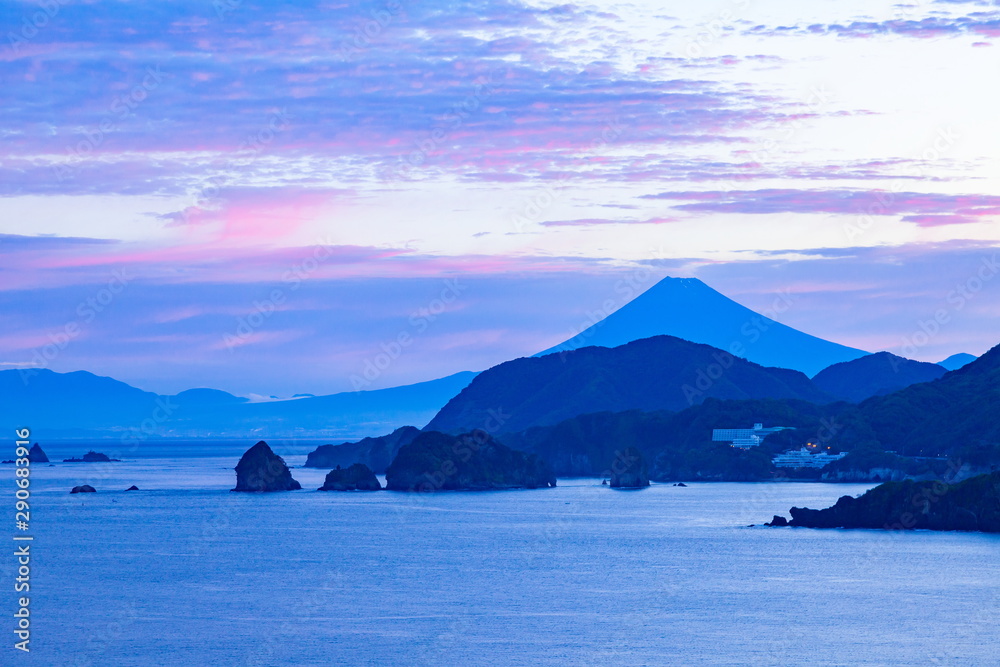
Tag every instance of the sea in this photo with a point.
(184, 572)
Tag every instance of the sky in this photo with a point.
(266, 197)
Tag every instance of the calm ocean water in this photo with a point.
(184, 572)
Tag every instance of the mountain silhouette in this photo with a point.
(688, 308)
(658, 373)
(874, 375)
(956, 361)
(957, 410)
(81, 404)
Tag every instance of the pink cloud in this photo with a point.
(589, 222)
(939, 220)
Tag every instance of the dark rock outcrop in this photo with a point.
(970, 505)
(84, 488)
(92, 457)
(777, 521)
(358, 477)
(36, 455)
(629, 471)
(260, 469)
(132, 488)
(376, 453)
(473, 461)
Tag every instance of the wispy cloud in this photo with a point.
(590, 222)
(925, 209)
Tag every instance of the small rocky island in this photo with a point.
(376, 453)
(260, 469)
(629, 471)
(437, 461)
(973, 504)
(84, 488)
(357, 477)
(91, 457)
(36, 455)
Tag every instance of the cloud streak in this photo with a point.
(924, 209)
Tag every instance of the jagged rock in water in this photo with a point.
(777, 521)
(36, 455)
(260, 469)
(132, 488)
(376, 453)
(473, 461)
(628, 471)
(358, 477)
(91, 457)
(84, 488)
(970, 505)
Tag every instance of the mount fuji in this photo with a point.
(689, 309)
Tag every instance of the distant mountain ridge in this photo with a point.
(83, 405)
(958, 409)
(953, 416)
(874, 375)
(956, 361)
(658, 373)
(689, 309)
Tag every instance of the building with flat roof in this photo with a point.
(804, 458)
(744, 438)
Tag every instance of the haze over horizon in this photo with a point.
(262, 199)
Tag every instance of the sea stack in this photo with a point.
(437, 461)
(358, 477)
(260, 470)
(36, 455)
(91, 457)
(628, 471)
